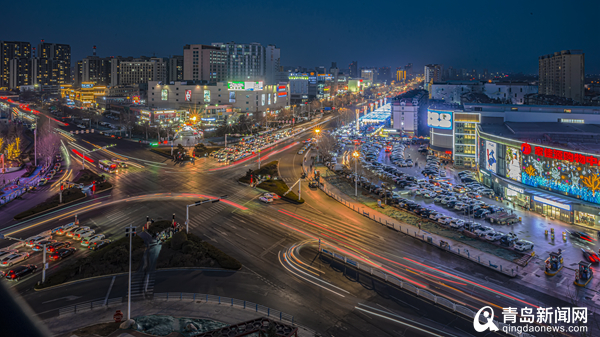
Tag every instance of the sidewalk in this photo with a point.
(181, 308)
(491, 261)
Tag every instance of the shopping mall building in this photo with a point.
(543, 158)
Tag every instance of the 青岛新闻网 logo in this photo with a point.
(488, 313)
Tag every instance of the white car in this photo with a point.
(493, 236)
(438, 198)
(474, 195)
(523, 245)
(457, 223)
(89, 240)
(13, 258)
(84, 234)
(32, 241)
(444, 220)
(265, 199)
(447, 200)
(6, 252)
(459, 206)
(81, 126)
(74, 233)
(429, 194)
(435, 216)
(484, 230)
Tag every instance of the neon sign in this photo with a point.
(559, 154)
(552, 203)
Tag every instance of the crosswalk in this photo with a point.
(142, 285)
(205, 215)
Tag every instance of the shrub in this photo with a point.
(224, 260)
(159, 226)
(178, 239)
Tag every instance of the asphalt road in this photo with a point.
(256, 233)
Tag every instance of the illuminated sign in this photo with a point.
(516, 189)
(513, 163)
(245, 86)
(439, 119)
(552, 203)
(207, 96)
(232, 97)
(209, 119)
(263, 100)
(559, 154)
(269, 99)
(87, 85)
(490, 156)
(164, 94)
(485, 173)
(188, 95)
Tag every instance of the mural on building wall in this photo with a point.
(513, 163)
(573, 177)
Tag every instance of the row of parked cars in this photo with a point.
(56, 249)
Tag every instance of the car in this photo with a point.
(40, 245)
(582, 236)
(62, 253)
(438, 198)
(457, 223)
(435, 215)
(67, 228)
(91, 239)
(76, 231)
(474, 195)
(446, 200)
(57, 245)
(63, 227)
(590, 255)
(459, 206)
(494, 236)
(34, 240)
(13, 258)
(313, 184)
(265, 199)
(84, 234)
(429, 194)
(484, 230)
(81, 126)
(6, 252)
(508, 239)
(17, 273)
(444, 220)
(99, 244)
(523, 245)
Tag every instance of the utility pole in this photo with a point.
(45, 265)
(259, 159)
(129, 231)
(35, 143)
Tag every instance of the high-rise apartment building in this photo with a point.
(400, 75)
(128, 71)
(353, 70)
(11, 50)
(272, 64)
(384, 75)
(245, 61)
(433, 72)
(204, 63)
(94, 69)
(52, 66)
(562, 74)
(175, 68)
(409, 70)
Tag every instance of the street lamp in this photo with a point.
(355, 154)
(317, 131)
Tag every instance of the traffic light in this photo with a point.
(130, 230)
(62, 187)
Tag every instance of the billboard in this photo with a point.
(188, 95)
(164, 94)
(263, 100)
(207, 96)
(439, 119)
(269, 99)
(490, 156)
(513, 163)
(232, 97)
(245, 86)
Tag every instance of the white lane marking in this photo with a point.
(109, 289)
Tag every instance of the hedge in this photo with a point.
(266, 169)
(279, 187)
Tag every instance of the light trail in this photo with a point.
(88, 159)
(307, 280)
(405, 324)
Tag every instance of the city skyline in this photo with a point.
(444, 34)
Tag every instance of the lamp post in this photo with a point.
(187, 210)
(129, 231)
(355, 154)
(317, 131)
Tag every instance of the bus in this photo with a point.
(108, 166)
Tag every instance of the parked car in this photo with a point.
(62, 253)
(63, 227)
(523, 245)
(84, 234)
(57, 245)
(65, 230)
(494, 236)
(34, 240)
(457, 223)
(40, 245)
(17, 273)
(484, 230)
(76, 231)
(508, 239)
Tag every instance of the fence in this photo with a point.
(194, 297)
(438, 300)
(371, 214)
(247, 305)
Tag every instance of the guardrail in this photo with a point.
(199, 298)
(422, 237)
(194, 297)
(438, 300)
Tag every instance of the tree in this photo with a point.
(48, 141)
(326, 145)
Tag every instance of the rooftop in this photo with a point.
(577, 137)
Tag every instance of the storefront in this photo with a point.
(554, 208)
(517, 196)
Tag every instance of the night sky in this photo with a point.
(497, 35)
